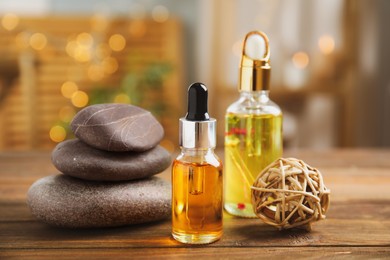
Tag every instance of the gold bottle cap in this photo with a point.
(255, 70)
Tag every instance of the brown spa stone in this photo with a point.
(69, 202)
(117, 127)
(77, 159)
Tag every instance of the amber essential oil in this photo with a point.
(251, 143)
(197, 179)
(197, 201)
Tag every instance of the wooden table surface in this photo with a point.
(357, 224)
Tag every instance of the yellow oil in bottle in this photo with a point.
(197, 202)
(251, 143)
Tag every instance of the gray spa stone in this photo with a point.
(77, 159)
(69, 202)
(117, 127)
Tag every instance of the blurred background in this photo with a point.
(329, 59)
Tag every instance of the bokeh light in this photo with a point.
(82, 53)
(117, 42)
(10, 21)
(137, 28)
(66, 114)
(22, 39)
(300, 60)
(326, 44)
(160, 13)
(80, 99)
(57, 134)
(95, 72)
(84, 39)
(68, 89)
(71, 48)
(122, 98)
(103, 50)
(38, 41)
(110, 65)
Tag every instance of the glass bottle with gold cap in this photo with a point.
(253, 127)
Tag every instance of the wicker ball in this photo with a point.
(289, 193)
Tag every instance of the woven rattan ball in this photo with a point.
(289, 193)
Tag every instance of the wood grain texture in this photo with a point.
(206, 253)
(357, 224)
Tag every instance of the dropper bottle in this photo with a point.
(253, 127)
(197, 180)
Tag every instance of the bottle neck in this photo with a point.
(196, 151)
(261, 95)
(200, 156)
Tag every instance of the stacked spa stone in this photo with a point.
(108, 172)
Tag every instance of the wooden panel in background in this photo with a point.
(43, 72)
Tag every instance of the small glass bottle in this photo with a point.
(197, 180)
(253, 127)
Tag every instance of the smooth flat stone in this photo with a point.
(77, 159)
(117, 127)
(69, 202)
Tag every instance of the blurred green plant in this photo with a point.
(138, 87)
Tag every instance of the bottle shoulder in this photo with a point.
(254, 106)
(200, 159)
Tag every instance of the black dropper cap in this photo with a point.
(197, 103)
(197, 129)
